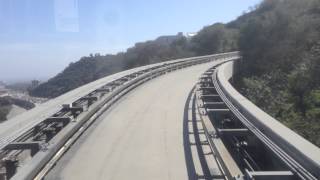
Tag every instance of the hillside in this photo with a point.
(164, 48)
(280, 44)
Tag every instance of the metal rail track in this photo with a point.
(58, 132)
(237, 142)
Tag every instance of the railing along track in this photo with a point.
(244, 163)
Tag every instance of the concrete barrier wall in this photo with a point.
(296, 146)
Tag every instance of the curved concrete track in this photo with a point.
(139, 137)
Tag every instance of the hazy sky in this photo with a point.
(39, 38)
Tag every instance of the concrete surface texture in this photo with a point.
(139, 137)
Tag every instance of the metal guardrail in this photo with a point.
(300, 155)
(56, 134)
(291, 156)
(204, 90)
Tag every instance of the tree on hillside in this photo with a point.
(215, 39)
(279, 42)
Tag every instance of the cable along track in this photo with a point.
(34, 152)
(242, 150)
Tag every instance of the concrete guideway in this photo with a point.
(10, 130)
(140, 137)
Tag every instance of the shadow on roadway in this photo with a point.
(190, 128)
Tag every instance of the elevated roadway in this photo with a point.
(180, 119)
(140, 137)
(10, 130)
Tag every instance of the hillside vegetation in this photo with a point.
(280, 71)
(280, 44)
(164, 48)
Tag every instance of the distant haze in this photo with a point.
(37, 62)
(40, 38)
